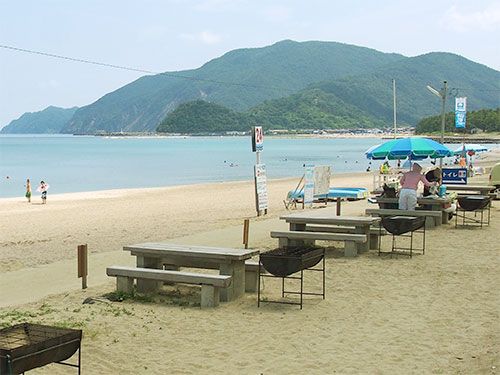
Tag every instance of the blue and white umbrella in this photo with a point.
(470, 147)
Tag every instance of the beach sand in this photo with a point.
(434, 313)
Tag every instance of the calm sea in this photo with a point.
(80, 163)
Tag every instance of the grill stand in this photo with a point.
(402, 250)
(472, 221)
(301, 278)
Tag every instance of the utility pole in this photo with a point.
(442, 94)
(394, 104)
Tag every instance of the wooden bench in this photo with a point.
(375, 232)
(432, 218)
(298, 238)
(210, 284)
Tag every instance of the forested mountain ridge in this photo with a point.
(366, 100)
(48, 121)
(239, 79)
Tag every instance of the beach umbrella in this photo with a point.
(469, 148)
(414, 148)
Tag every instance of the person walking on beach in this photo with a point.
(43, 189)
(28, 190)
(409, 184)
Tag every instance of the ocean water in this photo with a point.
(88, 163)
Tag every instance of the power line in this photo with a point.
(173, 75)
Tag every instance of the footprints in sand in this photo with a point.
(22, 243)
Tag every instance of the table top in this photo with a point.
(470, 187)
(328, 217)
(421, 200)
(164, 249)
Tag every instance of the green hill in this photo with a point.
(365, 100)
(258, 74)
(487, 120)
(200, 116)
(49, 121)
(372, 92)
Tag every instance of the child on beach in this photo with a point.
(28, 190)
(43, 189)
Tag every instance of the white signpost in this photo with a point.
(309, 186)
(261, 201)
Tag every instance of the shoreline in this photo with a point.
(119, 193)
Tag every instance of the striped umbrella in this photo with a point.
(414, 148)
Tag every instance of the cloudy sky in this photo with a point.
(166, 35)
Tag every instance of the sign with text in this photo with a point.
(261, 187)
(455, 176)
(309, 186)
(257, 138)
(322, 175)
(460, 112)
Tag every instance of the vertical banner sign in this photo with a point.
(309, 186)
(261, 187)
(460, 112)
(257, 139)
(322, 174)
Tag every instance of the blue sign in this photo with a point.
(460, 118)
(460, 112)
(455, 176)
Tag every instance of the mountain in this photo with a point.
(366, 100)
(239, 80)
(372, 92)
(50, 121)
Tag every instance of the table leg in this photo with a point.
(365, 229)
(236, 270)
(146, 286)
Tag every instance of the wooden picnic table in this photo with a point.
(361, 224)
(229, 261)
(480, 189)
(436, 204)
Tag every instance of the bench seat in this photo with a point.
(375, 232)
(433, 218)
(298, 238)
(210, 284)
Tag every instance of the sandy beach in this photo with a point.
(434, 313)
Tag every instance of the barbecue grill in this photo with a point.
(404, 226)
(475, 204)
(283, 263)
(27, 346)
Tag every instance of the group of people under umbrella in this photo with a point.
(415, 149)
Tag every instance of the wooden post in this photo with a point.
(246, 227)
(83, 264)
(339, 200)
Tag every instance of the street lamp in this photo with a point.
(441, 94)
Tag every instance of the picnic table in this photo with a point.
(228, 261)
(361, 224)
(436, 204)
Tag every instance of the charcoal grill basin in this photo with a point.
(398, 225)
(27, 346)
(473, 202)
(284, 262)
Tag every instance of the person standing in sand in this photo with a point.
(43, 189)
(409, 184)
(28, 190)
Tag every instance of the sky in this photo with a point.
(169, 35)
